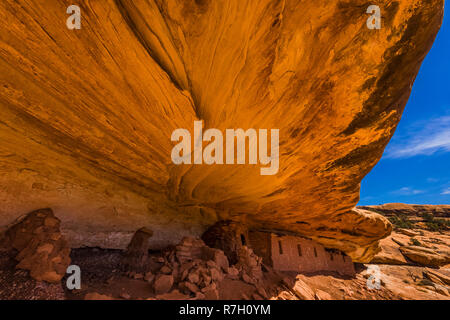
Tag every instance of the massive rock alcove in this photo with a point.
(86, 115)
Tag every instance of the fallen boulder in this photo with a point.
(163, 283)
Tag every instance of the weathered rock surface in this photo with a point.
(412, 282)
(303, 291)
(41, 248)
(390, 253)
(425, 256)
(437, 277)
(413, 242)
(87, 115)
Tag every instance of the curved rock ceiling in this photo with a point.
(86, 115)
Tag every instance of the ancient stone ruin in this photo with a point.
(262, 265)
(291, 253)
(282, 252)
(228, 236)
(39, 246)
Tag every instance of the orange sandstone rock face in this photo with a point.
(87, 115)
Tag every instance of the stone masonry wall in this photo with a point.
(289, 253)
(314, 257)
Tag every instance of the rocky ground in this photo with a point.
(414, 263)
(414, 260)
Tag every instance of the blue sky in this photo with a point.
(415, 167)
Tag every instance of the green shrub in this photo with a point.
(434, 224)
(428, 217)
(401, 222)
(437, 225)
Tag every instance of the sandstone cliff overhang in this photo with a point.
(86, 115)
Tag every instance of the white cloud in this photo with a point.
(446, 191)
(406, 191)
(425, 138)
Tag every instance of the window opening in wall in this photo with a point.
(315, 252)
(299, 249)
(280, 247)
(243, 240)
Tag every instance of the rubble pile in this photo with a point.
(192, 270)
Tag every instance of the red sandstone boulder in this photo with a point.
(192, 287)
(233, 273)
(163, 283)
(211, 292)
(249, 264)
